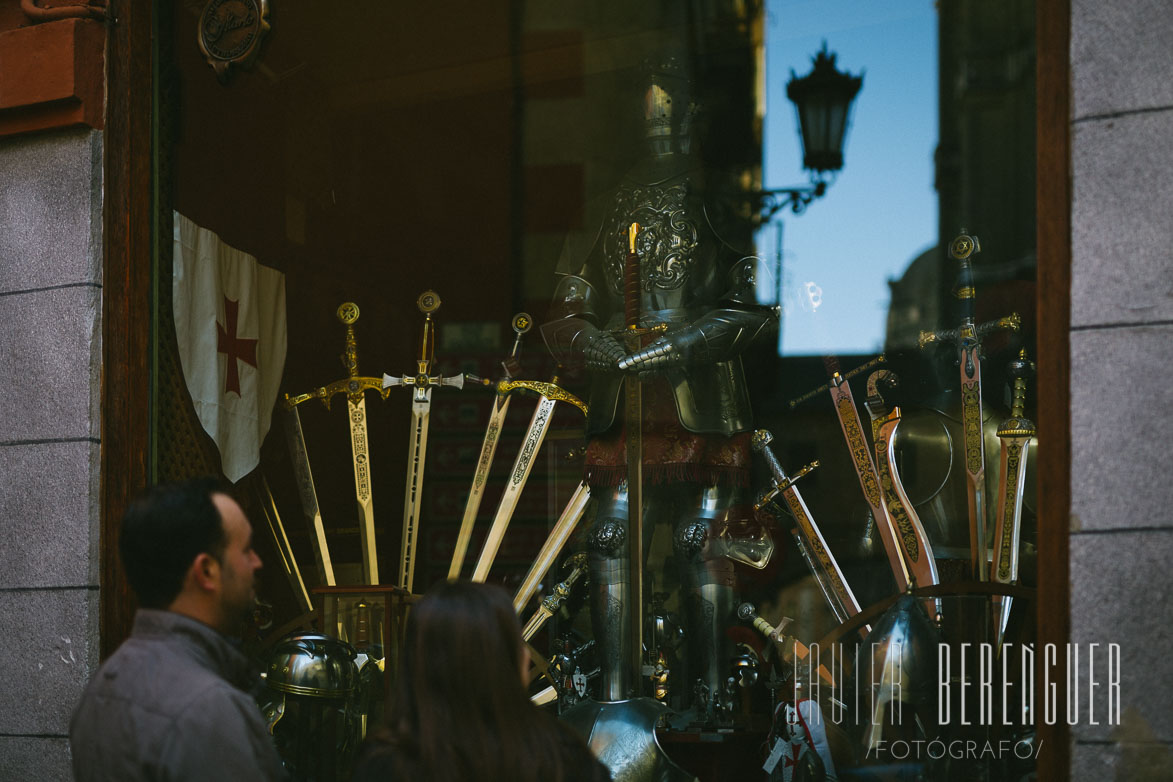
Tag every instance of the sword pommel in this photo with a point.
(963, 246)
(632, 232)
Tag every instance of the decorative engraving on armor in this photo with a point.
(667, 239)
(612, 620)
(859, 450)
(608, 537)
(534, 439)
(816, 545)
(1013, 459)
(690, 539)
(896, 509)
(971, 414)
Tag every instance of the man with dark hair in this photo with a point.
(172, 703)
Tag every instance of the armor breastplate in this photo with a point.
(675, 246)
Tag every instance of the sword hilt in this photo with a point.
(522, 323)
(1011, 323)
(962, 249)
(1018, 425)
(782, 482)
(832, 365)
(631, 280)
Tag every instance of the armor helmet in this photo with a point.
(311, 705)
(668, 110)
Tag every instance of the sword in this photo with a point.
(910, 533)
(422, 384)
(577, 566)
(807, 536)
(295, 439)
(535, 435)
(557, 538)
(1015, 434)
(284, 550)
(354, 387)
(521, 324)
(968, 337)
(865, 471)
(633, 442)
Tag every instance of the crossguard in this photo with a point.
(549, 390)
(422, 383)
(352, 387)
(782, 484)
(1012, 322)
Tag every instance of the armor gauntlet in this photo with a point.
(716, 336)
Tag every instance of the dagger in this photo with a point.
(354, 387)
(910, 533)
(809, 539)
(535, 435)
(1015, 435)
(421, 384)
(550, 550)
(522, 323)
(968, 337)
(577, 566)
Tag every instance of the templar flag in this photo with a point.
(230, 323)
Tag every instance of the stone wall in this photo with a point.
(50, 384)
(1121, 354)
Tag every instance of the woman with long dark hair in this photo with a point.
(460, 711)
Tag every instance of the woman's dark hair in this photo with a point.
(163, 531)
(460, 711)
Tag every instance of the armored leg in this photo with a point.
(707, 596)
(610, 595)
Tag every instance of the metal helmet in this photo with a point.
(899, 657)
(668, 109)
(311, 705)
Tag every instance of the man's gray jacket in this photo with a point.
(171, 704)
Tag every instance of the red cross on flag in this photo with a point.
(230, 324)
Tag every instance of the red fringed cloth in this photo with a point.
(671, 453)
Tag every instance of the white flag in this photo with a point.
(230, 323)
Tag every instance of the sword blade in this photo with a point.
(820, 560)
(1011, 483)
(869, 480)
(288, 561)
(417, 447)
(361, 456)
(555, 541)
(635, 528)
(295, 439)
(538, 426)
(975, 458)
(479, 480)
(918, 552)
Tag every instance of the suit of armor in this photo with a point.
(697, 416)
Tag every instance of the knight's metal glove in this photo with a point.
(664, 352)
(602, 351)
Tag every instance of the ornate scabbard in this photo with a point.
(869, 479)
(910, 533)
(1015, 434)
(807, 535)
